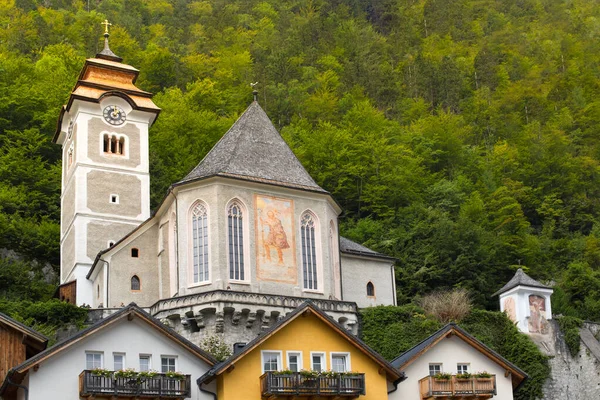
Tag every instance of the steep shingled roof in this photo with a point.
(349, 247)
(253, 150)
(520, 279)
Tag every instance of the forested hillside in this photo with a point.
(460, 136)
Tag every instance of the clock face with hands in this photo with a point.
(114, 115)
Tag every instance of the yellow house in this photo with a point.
(306, 355)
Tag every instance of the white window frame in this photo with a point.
(118, 354)
(340, 353)
(467, 365)
(149, 357)
(279, 354)
(318, 252)
(191, 282)
(296, 353)
(441, 365)
(100, 353)
(167, 356)
(322, 354)
(245, 241)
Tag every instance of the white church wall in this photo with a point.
(449, 352)
(517, 299)
(357, 272)
(216, 194)
(58, 377)
(123, 266)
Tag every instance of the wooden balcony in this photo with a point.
(454, 388)
(274, 385)
(156, 387)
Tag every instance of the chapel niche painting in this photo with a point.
(275, 245)
(537, 315)
(510, 309)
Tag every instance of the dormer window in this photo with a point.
(114, 144)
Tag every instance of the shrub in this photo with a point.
(570, 329)
(216, 347)
(447, 306)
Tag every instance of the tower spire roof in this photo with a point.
(107, 53)
(520, 279)
(253, 150)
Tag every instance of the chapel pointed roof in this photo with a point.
(253, 150)
(520, 279)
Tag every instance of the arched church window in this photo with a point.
(370, 289)
(135, 283)
(309, 251)
(200, 242)
(235, 234)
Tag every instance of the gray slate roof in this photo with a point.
(349, 247)
(253, 150)
(520, 279)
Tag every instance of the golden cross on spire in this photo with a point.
(106, 25)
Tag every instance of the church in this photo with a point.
(241, 241)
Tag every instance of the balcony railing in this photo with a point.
(158, 386)
(295, 384)
(483, 388)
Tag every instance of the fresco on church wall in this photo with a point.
(275, 244)
(537, 315)
(510, 309)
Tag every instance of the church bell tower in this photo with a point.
(103, 131)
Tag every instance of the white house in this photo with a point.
(83, 365)
(452, 351)
(527, 303)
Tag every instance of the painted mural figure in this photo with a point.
(276, 237)
(537, 315)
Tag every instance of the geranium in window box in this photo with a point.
(442, 376)
(483, 375)
(102, 372)
(178, 376)
(126, 374)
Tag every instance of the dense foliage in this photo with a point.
(45, 317)
(569, 326)
(394, 330)
(460, 136)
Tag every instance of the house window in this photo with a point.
(119, 361)
(111, 243)
(145, 362)
(114, 144)
(435, 369)
(167, 364)
(114, 199)
(294, 360)
(309, 256)
(135, 253)
(370, 290)
(462, 368)
(271, 361)
(93, 360)
(317, 362)
(340, 362)
(236, 241)
(135, 283)
(200, 243)
(98, 290)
